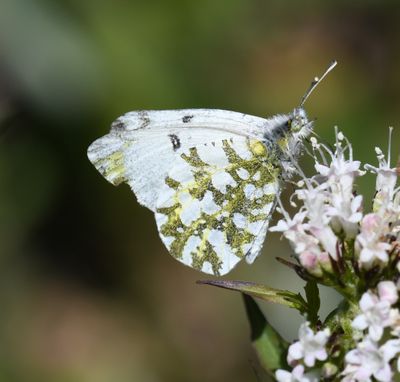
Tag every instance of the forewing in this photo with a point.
(215, 203)
(142, 146)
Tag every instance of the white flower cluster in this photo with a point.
(309, 348)
(377, 337)
(380, 345)
(334, 241)
(331, 212)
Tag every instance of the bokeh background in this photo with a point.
(87, 291)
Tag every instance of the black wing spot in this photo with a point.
(145, 119)
(176, 143)
(187, 118)
(118, 125)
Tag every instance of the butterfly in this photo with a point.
(211, 177)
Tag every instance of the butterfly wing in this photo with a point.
(216, 201)
(142, 145)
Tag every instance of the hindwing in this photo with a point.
(216, 201)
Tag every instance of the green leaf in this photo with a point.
(313, 301)
(283, 297)
(270, 347)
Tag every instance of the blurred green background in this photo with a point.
(87, 291)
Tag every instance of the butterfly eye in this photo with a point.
(295, 124)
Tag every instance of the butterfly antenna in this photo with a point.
(316, 82)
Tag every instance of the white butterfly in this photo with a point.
(211, 177)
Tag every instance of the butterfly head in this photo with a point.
(299, 124)
(297, 128)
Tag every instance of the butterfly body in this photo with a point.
(210, 176)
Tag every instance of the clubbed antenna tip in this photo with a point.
(316, 82)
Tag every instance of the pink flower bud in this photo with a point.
(387, 291)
